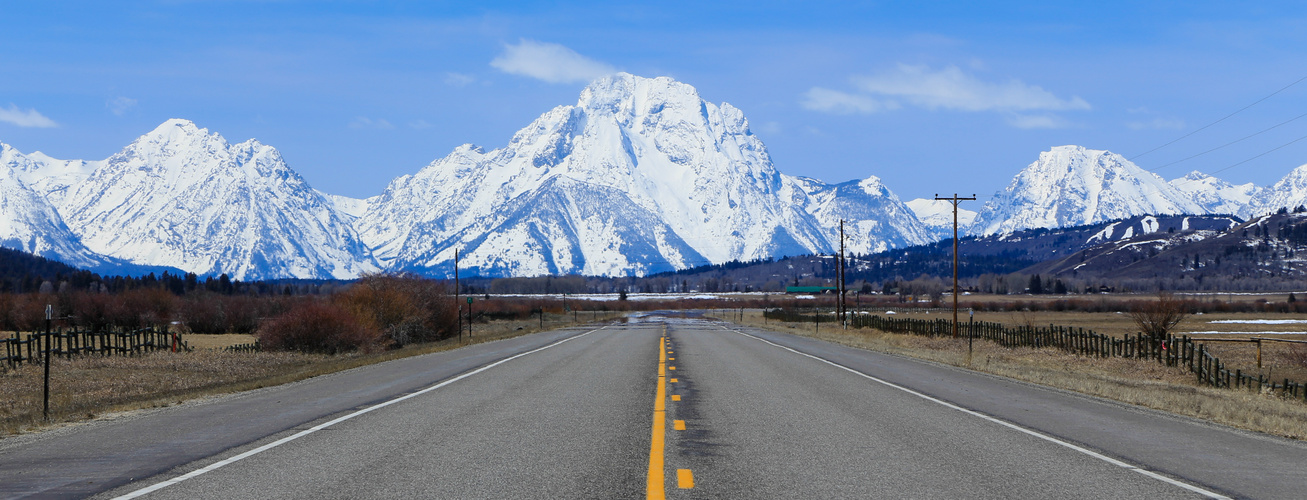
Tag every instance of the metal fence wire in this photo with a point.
(1172, 350)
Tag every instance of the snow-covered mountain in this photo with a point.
(48, 176)
(641, 175)
(1289, 192)
(874, 218)
(29, 222)
(351, 208)
(1215, 196)
(180, 196)
(938, 216)
(1071, 186)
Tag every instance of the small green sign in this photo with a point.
(469, 300)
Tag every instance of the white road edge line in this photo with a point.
(223, 463)
(1010, 425)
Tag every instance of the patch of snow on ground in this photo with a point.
(1260, 321)
(1245, 333)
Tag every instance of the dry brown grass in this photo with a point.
(88, 387)
(81, 388)
(1278, 358)
(1138, 382)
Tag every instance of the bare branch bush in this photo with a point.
(1157, 318)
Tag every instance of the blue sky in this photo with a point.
(930, 96)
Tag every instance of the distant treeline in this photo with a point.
(22, 272)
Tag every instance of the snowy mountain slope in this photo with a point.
(352, 208)
(874, 218)
(693, 165)
(1071, 186)
(182, 197)
(48, 176)
(28, 221)
(1289, 192)
(1212, 253)
(570, 227)
(1214, 195)
(937, 216)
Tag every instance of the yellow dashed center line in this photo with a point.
(673, 381)
(654, 486)
(684, 479)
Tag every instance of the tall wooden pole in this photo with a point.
(955, 200)
(840, 265)
(456, 301)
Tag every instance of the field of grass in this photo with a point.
(90, 387)
(1140, 382)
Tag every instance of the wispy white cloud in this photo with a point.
(834, 101)
(362, 122)
(459, 79)
(1041, 121)
(419, 124)
(1157, 124)
(953, 89)
(27, 119)
(120, 105)
(549, 62)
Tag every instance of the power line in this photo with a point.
(1250, 136)
(1282, 146)
(1205, 127)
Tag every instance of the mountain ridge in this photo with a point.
(694, 165)
(639, 176)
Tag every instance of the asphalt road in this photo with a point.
(581, 413)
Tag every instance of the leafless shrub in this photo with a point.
(1157, 318)
(1297, 354)
(318, 326)
(202, 313)
(405, 307)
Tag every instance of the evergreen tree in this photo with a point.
(1036, 285)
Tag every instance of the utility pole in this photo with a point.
(460, 304)
(955, 200)
(841, 266)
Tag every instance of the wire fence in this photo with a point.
(1179, 351)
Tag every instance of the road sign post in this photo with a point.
(971, 323)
